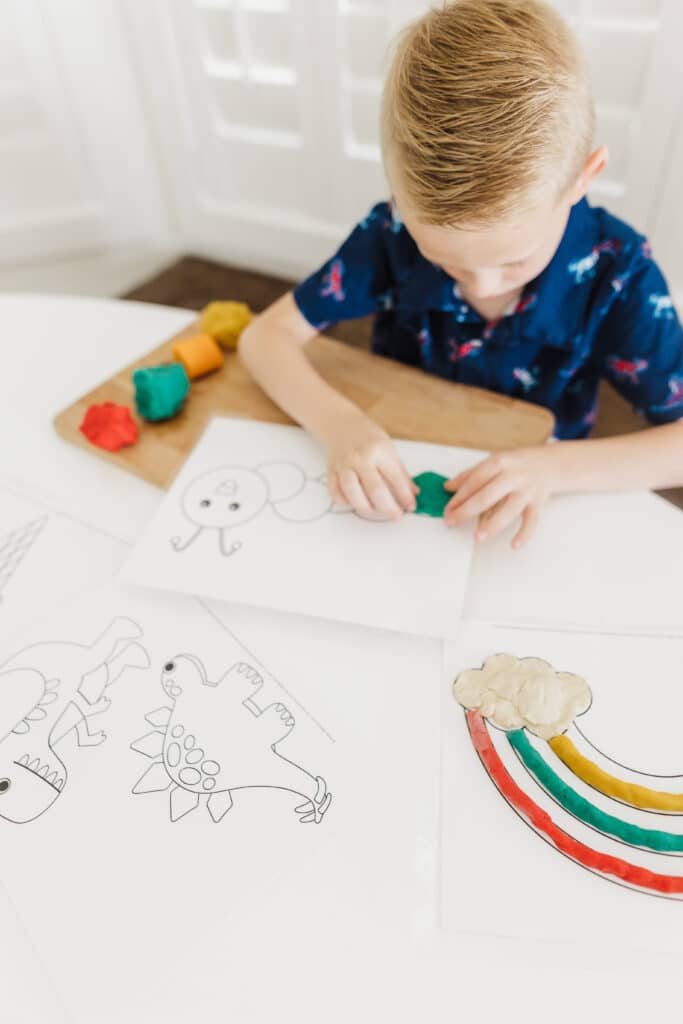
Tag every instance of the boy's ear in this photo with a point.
(592, 169)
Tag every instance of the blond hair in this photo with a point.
(485, 100)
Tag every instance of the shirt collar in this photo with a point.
(552, 314)
(541, 313)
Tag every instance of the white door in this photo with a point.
(76, 169)
(634, 51)
(267, 114)
(234, 90)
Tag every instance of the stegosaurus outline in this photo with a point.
(215, 739)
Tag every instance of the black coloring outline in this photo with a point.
(268, 497)
(14, 547)
(181, 765)
(53, 701)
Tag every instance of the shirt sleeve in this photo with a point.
(640, 341)
(350, 284)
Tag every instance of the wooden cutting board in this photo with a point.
(409, 404)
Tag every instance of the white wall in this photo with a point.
(77, 170)
(247, 129)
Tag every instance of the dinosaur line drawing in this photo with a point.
(50, 691)
(214, 739)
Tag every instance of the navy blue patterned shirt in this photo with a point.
(600, 309)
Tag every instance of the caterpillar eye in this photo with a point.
(169, 666)
(233, 506)
(206, 503)
(4, 785)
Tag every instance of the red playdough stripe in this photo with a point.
(592, 859)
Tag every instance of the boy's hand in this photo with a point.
(364, 470)
(500, 489)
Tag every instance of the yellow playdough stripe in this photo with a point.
(618, 789)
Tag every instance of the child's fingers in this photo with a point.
(529, 524)
(487, 496)
(353, 492)
(400, 482)
(470, 482)
(497, 519)
(335, 490)
(482, 470)
(379, 494)
(457, 481)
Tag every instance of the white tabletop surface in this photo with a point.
(607, 562)
(601, 561)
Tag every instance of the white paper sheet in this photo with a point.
(612, 561)
(27, 994)
(46, 556)
(135, 912)
(377, 689)
(498, 874)
(249, 519)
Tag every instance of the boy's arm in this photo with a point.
(640, 350)
(515, 484)
(647, 460)
(364, 470)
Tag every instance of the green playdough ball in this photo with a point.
(160, 391)
(432, 499)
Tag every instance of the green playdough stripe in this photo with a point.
(432, 499)
(584, 810)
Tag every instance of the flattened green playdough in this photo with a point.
(432, 499)
(160, 391)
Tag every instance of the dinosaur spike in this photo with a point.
(44, 770)
(24, 760)
(51, 685)
(48, 697)
(52, 778)
(219, 804)
(182, 801)
(151, 744)
(159, 717)
(21, 728)
(36, 714)
(34, 765)
(59, 783)
(154, 780)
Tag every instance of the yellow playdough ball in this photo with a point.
(225, 321)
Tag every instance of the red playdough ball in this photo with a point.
(109, 426)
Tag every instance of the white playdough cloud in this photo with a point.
(516, 693)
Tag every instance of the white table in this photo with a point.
(600, 562)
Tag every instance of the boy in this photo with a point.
(489, 267)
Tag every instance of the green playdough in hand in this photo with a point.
(160, 391)
(432, 499)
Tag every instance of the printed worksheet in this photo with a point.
(249, 519)
(46, 555)
(160, 786)
(562, 787)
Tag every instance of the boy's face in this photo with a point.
(494, 262)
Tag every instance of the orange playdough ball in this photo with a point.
(199, 354)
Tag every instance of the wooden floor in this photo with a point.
(192, 282)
